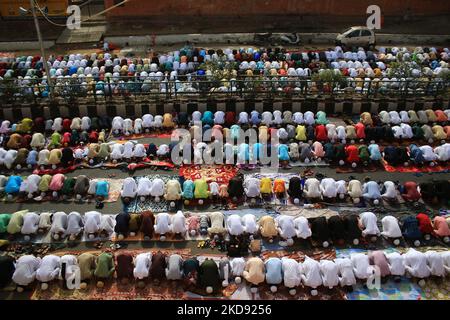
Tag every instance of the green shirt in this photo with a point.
(105, 266)
(201, 189)
(4, 221)
(16, 222)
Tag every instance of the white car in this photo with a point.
(357, 36)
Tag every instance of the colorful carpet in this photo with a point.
(218, 173)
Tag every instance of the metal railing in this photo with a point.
(70, 89)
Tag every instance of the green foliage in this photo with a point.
(329, 76)
(400, 70)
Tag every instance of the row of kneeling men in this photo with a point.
(336, 228)
(211, 274)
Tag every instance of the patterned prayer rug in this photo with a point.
(218, 173)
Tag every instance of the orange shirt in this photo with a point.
(279, 186)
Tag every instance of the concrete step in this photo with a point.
(85, 34)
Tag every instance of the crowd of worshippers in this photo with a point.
(300, 137)
(240, 188)
(106, 73)
(238, 231)
(211, 275)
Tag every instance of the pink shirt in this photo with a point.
(57, 182)
(441, 227)
(378, 258)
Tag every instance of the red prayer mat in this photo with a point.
(413, 168)
(218, 173)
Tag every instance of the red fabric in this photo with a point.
(230, 118)
(26, 139)
(425, 225)
(360, 130)
(66, 138)
(66, 124)
(149, 163)
(352, 153)
(412, 194)
(93, 137)
(321, 133)
(218, 173)
(447, 131)
(440, 116)
(412, 168)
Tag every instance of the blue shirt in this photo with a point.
(13, 184)
(375, 153)
(283, 152)
(102, 188)
(243, 152)
(257, 151)
(188, 189)
(235, 131)
(274, 273)
(254, 117)
(32, 157)
(208, 118)
(371, 190)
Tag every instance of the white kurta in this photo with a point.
(162, 223)
(391, 228)
(361, 266)
(92, 222)
(157, 189)
(328, 188)
(346, 275)
(310, 273)
(25, 272)
(74, 223)
(286, 226)
(234, 225)
(107, 224)
(30, 223)
(302, 228)
(291, 272)
(142, 263)
(330, 273)
(31, 184)
(237, 266)
(249, 222)
(369, 222)
(48, 269)
(391, 190)
(312, 188)
(59, 222)
(144, 186)
(396, 263)
(416, 264)
(129, 188)
(252, 187)
(435, 263)
(178, 223)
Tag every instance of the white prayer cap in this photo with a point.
(108, 63)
